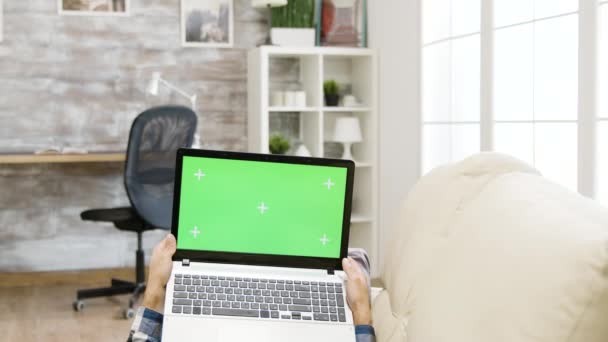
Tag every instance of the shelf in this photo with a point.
(292, 109)
(362, 164)
(316, 109)
(357, 218)
(345, 109)
(316, 51)
(51, 158)
(313, 124)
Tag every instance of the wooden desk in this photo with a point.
(51, 158)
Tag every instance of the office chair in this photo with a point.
(155, 136)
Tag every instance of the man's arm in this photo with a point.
(357, 294)
(147, 326)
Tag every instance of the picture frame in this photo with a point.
(207, 23)
(121, 8)
(343, 23)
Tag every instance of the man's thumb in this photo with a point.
(170, 241)
(346, 265)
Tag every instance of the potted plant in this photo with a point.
(331, 90)
(293, 24)
(278, 144)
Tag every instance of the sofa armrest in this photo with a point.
(375, 292)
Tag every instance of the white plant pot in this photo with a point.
(301, 37)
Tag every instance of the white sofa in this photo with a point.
(487, 250)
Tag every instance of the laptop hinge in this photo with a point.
(186, 262)
(330, 271)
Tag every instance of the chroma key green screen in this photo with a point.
(261, 207)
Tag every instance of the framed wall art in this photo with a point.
(94, 7)
(207, 23)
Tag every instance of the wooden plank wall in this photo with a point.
(79, 81)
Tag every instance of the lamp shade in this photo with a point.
(348, 130)
(268, 3)
(154, 84)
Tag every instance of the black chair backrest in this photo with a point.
(155, 136)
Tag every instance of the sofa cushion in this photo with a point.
(426, 218)
(389, 327)
(501, 254)
(526, 261)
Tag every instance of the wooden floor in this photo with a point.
(42, 309)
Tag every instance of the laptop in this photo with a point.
(260, 240)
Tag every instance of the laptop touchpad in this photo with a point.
(232, 330)
(275, 331)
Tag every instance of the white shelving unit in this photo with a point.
(355, 68)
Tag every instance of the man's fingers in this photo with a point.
(351, 268)
(171, 243)
(170, 237)
(168, 244)
(347, 266)
(355, 269)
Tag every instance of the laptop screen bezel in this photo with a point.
(264, 259)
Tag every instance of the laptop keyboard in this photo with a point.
(280, 299)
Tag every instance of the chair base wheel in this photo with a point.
(78, 305)
(129, 313)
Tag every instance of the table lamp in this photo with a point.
(157, 80)
(347, 132)
(268, 4)
(154, 87)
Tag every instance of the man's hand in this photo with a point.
(357, 292)
(160, 271)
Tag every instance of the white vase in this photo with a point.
(289, 99)
(301, 37)
(300, 99)
(277, 99)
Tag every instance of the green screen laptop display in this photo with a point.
(261, 207)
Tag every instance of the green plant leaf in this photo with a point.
(296, 14)
(278, 144)
(330, 87)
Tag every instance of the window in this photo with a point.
(525, 55)
(536, 84)
(602, 129)
(451, 74)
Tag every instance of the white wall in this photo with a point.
(394, 31)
